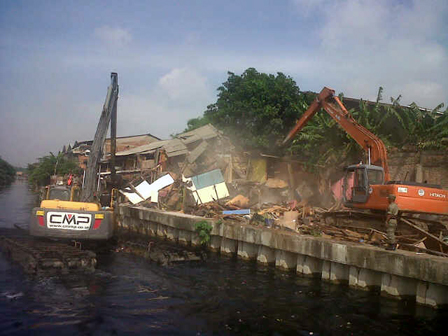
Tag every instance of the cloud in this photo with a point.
(366, 44)
(113, 35)
(170, 66)
(179, 95)
(356, 24)
(430, 90)
(183, 84)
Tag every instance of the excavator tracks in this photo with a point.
(43, 256)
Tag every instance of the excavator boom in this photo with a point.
(327, 100)
(109, 113)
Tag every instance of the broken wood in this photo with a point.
(421, 249)
(432, 242)
(195, 153)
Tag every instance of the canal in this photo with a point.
(128, 295)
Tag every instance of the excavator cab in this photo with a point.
(62, 193)
(358, 180)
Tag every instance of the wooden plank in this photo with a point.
(432, 242)
(195, 153)
(421, 249)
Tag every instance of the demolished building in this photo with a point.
(202, 172)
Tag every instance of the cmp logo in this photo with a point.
(68, 221)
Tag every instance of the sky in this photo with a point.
(171, 56)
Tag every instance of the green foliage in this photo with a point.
(426, 129)
(7, 173)
(323, 142)
(39, 173)
(203, 228)
(316, 232)
(255, 109)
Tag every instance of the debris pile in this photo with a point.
(293, 216)
(202, 173)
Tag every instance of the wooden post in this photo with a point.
(230, 169)
(292, 186)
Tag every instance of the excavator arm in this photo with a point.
(108, 114)
(328, 101)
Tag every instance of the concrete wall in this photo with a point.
(412, 165)
(398, 274)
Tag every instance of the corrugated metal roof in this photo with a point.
(172, 148)
(177, 153)
(142, 149)
(176, 146)
(126, 143)
(205, 132)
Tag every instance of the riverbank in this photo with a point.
(398, 274)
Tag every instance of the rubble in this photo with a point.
(298, 217)
(205, 175)
(159, 252)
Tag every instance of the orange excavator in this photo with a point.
(367, 186)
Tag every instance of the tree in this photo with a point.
(426, 129)
(255, 109)
(7, 173)
(39, 173)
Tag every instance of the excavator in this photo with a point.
(68, 211)
(367, 185)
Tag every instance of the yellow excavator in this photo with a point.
(70, 211)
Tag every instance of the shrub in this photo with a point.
(203, 228)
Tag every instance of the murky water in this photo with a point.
(15, 205)
(129, 295)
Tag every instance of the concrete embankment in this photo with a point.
(398, 274)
